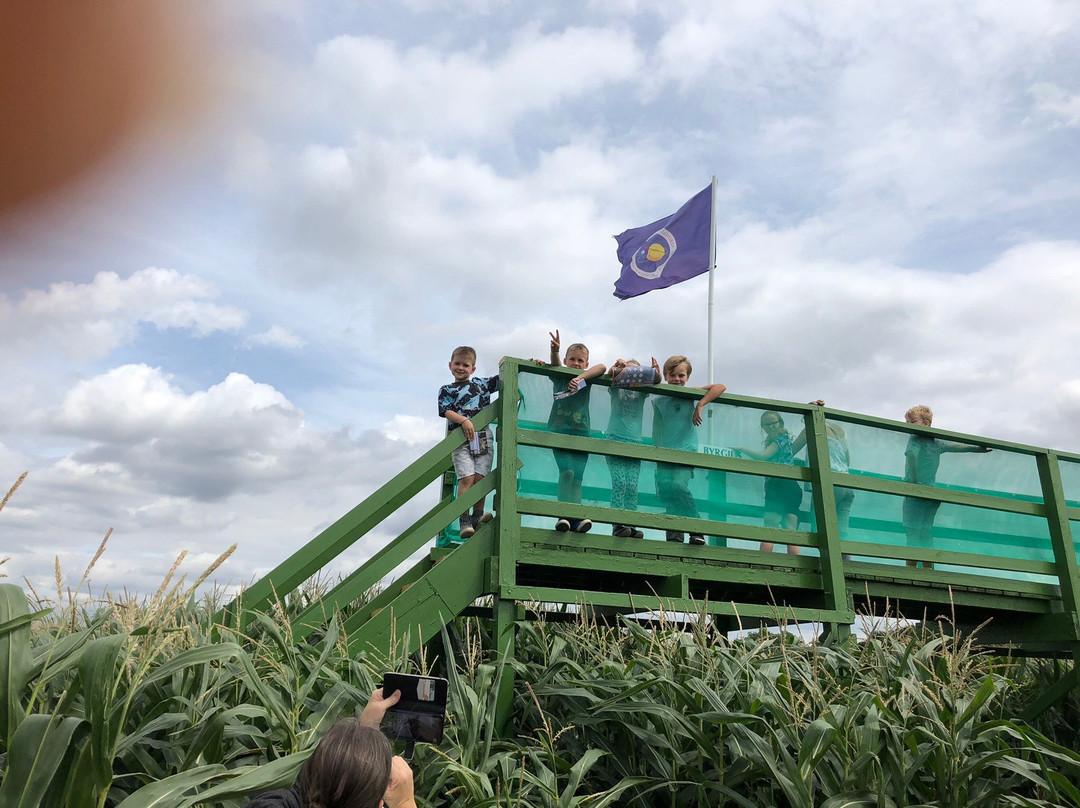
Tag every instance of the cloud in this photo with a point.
(89, 320)
(399, 217)
(276, 337)
(467, 94)
(413, 430)
(172, 470)
(1056, 102)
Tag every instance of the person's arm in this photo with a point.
(616, 369)
(462, 421)
(555, 345)
(800, 441)
(911, 465)
(591, 373)
(765, 454)
(399, 793)
(712, 392)
(377, 706)
(947, 446)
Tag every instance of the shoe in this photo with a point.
(636, 534)
(562, 525)
(697, 538)
(484, 518)
(467, 528)
(581, 525)
(622, 531)
(674, 535)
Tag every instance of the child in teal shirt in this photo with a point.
(674, 422)
(624, 424)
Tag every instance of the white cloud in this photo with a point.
(1056, 102)
(404, 218)
(423, 91)
(171, 470)
(88, 320)
(276, 337)
(414, 430)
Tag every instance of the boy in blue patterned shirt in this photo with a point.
(459, 402)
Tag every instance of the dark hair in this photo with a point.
(779, 417)
(350, 768)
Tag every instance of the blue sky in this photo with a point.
(239, 340)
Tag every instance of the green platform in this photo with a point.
(1004, 541)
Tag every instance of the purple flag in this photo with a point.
(668, 251)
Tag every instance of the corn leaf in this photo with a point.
(39, 761)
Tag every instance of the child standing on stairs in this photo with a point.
(458, 403)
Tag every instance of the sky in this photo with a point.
(240, 340)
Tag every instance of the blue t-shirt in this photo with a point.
(468, 397)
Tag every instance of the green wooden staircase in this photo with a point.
(1004, 552)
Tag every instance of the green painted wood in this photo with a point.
(1061, 538)
(557, 440)
(647, 603)
(598, 552)
(506, 474)
(386, 560)
(663, 521)
(341, 535)
(505, 613)
(417, 614)
(832, 564)
(989, 562)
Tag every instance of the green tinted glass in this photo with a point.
(1070, 481)
(878, 454)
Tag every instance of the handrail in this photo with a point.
(346, 531)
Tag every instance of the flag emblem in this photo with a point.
(650, 260)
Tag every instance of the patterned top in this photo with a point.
(571, 414)
(467, 398)
(785, 457)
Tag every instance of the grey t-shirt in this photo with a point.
(677, 430)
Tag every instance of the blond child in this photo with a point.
(459, 402)
(570, 416)
(674, 422)
(922, 457)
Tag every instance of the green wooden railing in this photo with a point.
(1003, 544)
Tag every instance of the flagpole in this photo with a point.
(712, 273)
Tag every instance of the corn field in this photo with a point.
(149, 703)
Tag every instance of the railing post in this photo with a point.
(1057, 517)
(504, 563)
(832, 564)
